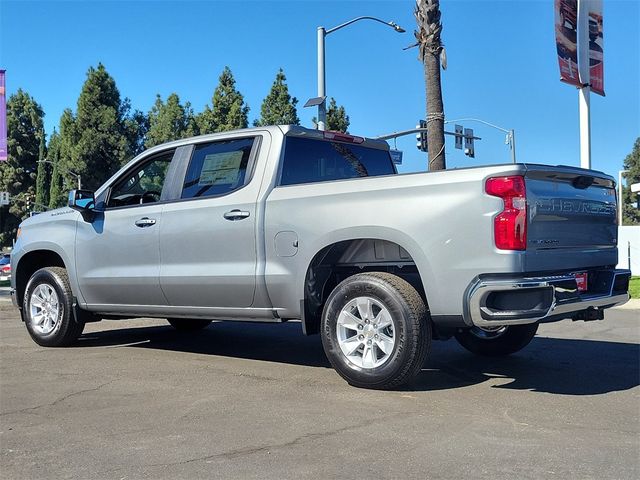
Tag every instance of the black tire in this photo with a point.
(499, 343)
(188, 324)
(411, 330)
(65, 330)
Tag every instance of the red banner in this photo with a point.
(566, 15)
(3, 118)
(577, 39)
(596, 48)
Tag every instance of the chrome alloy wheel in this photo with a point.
(365, 332)
(44, 309)
(488, 333)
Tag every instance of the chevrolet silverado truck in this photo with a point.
(284, 223)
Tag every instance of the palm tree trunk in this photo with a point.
(435, 112)
(427, 15)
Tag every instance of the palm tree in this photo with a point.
(427, 15)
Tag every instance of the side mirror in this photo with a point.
(83, 201)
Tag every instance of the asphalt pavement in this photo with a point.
(136, 399)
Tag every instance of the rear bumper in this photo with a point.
(493, 301)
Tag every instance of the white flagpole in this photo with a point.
(585, 91)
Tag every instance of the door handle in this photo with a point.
(145, 222)
(236, 215)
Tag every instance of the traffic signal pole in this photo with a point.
(402, 133)
(422, 132)
(511, 133)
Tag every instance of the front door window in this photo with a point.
(142, 185)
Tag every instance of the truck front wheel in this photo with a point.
(497, 341)
(48, 309)
(376, 330)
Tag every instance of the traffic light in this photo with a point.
(28, 202)
(459, 136)
(421, 137)
(468, 143)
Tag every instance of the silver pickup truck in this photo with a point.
(285, 223)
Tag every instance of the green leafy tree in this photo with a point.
(101, 136)
(228, 110)
(631, 213)
(136, 127)
(42, 178)
(278, 108)
(169, 120)
(337, 118)
(62, 155)
(18, 173)
(56, 189)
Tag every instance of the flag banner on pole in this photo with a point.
(596, 48)
(566, 15)
(3, 119)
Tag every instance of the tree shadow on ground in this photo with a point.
(551, 365)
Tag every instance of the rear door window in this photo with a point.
(218, 168)
(308, 161)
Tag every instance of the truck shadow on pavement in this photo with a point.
(550, 365)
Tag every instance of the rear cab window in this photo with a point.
(310, 161)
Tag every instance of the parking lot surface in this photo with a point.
(136, 399)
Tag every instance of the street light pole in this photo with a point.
(322, 106)
(322, 91)
(511, 134)
(512, 144)
(78, 177)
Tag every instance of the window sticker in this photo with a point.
(221, 169)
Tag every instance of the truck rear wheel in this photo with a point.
(376, 330)
(188, 324)
(48, 309)
(497, 341)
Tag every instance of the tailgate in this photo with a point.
(572, 218)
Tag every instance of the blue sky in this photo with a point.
(501, 56)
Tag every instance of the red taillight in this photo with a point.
(510, 225)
